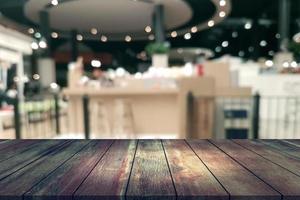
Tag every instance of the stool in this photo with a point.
(99, 121)
(123, 126)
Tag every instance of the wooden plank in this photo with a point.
(294, 142)
(64, 181)
(17, 184)
(17, 162)
(284, 147)
(239, 182)
(17, 148)
(150, 177)
(272, 155)
(280, 179)
(109, 178)
(192, 179)
(8, 143)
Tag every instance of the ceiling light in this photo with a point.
(151, 37)
(34, 45)
(37, 35)
(54, 2)
(222, 14)
(128, 38)
(79, 37)
(222, 3)
(241, 53)
(285, 64)
(31, 31)
(211, 23)
(54, 35)
(269, 63)
(174, 34)
(218, 49)
(36, 76)
(187, 36)
(294, 64)
(96, 63)
(225, 44)
(235, 34)
(271, 53)
(103, 38)
(148, 29)
(94, 31)
(248, 25)
(263, 43)
(194, 29)
(43, 44)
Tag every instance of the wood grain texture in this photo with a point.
(294, 142)
(192, 179)
(280, 179)
(64, 181)
(109, 178)
(283, 147)
(15, 163)
(6, 143)
(149, 170)
(272, 155)
(17, 148)
(150, 177)
(239, 182)
(17, 184)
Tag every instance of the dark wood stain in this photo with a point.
(273, 155)
(109, 178)
(150, 177)
(280, 179)
(64, 181)
(149, 170)
(191, 177)
(240, 183)
(14, 186)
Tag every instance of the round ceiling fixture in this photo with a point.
(116, 19)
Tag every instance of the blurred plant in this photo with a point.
(294, 47)
(157, 48)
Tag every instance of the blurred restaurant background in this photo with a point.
(162, 69)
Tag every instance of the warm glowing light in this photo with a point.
(79, 37)
(194, 29)
(96, 63)
(211, 23)
(54, 35)
(187, 36)
(128, 38)
(148, 29)
(174, 34)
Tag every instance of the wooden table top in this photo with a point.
(150, 169)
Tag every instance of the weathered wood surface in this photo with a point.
(191, 177)
(239, 182)
(150, 175)
(109, 178)
(279, 178)
(276, 156)
(149, 169)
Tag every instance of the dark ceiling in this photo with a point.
(263, 14)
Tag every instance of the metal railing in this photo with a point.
(39, 117)
(231, 117)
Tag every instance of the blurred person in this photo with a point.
(99, 75)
